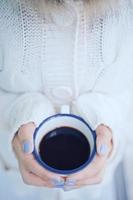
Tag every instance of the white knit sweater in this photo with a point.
(55, 56)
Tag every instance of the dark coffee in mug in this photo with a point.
(64, 148)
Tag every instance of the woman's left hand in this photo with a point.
(94, 172)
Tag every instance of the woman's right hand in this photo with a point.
(32, 173)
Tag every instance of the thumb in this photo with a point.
(104, 140)
(25, 135)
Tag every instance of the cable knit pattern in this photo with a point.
(47, 60)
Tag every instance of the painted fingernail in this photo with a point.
(58, 183)
(103, 149)
(70, 182)
(26, 146)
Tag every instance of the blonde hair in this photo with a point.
(98, 7)
(93, 7)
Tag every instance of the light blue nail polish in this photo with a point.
(70, 182)
(59, 186)
(58, 183)
(103, 149)
(26, 146)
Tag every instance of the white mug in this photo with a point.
(64, 119)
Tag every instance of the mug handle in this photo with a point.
(65, 109)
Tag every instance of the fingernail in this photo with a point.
(70, 182)
(103, 149)
(26, 146)
(58, 183)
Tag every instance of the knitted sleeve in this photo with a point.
(110, 110)
(16, 110)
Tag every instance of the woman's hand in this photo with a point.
(32, 173)
(94, 173)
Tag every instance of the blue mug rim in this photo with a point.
(65, 172)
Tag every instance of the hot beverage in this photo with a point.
(64, 148)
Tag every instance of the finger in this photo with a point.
(23, 158)
(32, 179)
(93, 168)
(92, 180)
(25, 135)
(104, 140)
(16, 147)
(90, 171)
(32, 165)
